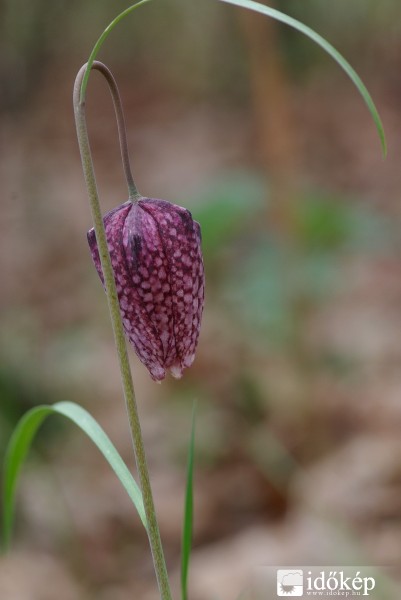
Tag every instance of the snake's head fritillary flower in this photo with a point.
(155, 250)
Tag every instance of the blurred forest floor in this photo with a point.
(297, 376)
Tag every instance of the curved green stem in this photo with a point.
(118, 108)
(126, 376)
(328, 48)
(283, 18)
(100, 41)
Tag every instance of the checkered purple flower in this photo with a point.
(155, 250)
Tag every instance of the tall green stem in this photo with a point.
(114, 308)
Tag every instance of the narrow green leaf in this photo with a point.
(278, 16)
(21, 440)
(188, 513)
(100, 41)
(327, 47)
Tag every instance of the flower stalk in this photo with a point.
(114, 308)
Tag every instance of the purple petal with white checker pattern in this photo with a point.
(155, 249)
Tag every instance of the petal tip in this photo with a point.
(157, 373)
(188, 360)
(176, 371)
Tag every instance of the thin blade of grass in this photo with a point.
(22, 438)
(100, 41)
(278, 16)
(327, 47)
(188, 513)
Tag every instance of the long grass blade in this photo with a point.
(327, 47)
(22, 438)
(278, 16)
(188, 513)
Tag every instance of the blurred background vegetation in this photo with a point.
(297, 375)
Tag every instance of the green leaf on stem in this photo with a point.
(278, 16)
(22, 438)
(327, 47)
(188, 513)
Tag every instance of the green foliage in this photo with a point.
(188, 513)
(18, 394)
(328, 48)
(226, 208)
(327, 223)
(322, 225)
(278, 16)
(358, 28)
(258, 291)
(260, 281)
(21, 441)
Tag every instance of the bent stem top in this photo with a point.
(122, 133)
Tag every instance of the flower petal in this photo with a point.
(148, 264)
(181, 239)
(137, 325)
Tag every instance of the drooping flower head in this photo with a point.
(155, 250)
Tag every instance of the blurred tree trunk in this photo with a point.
(274, 121)
(276, 128)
